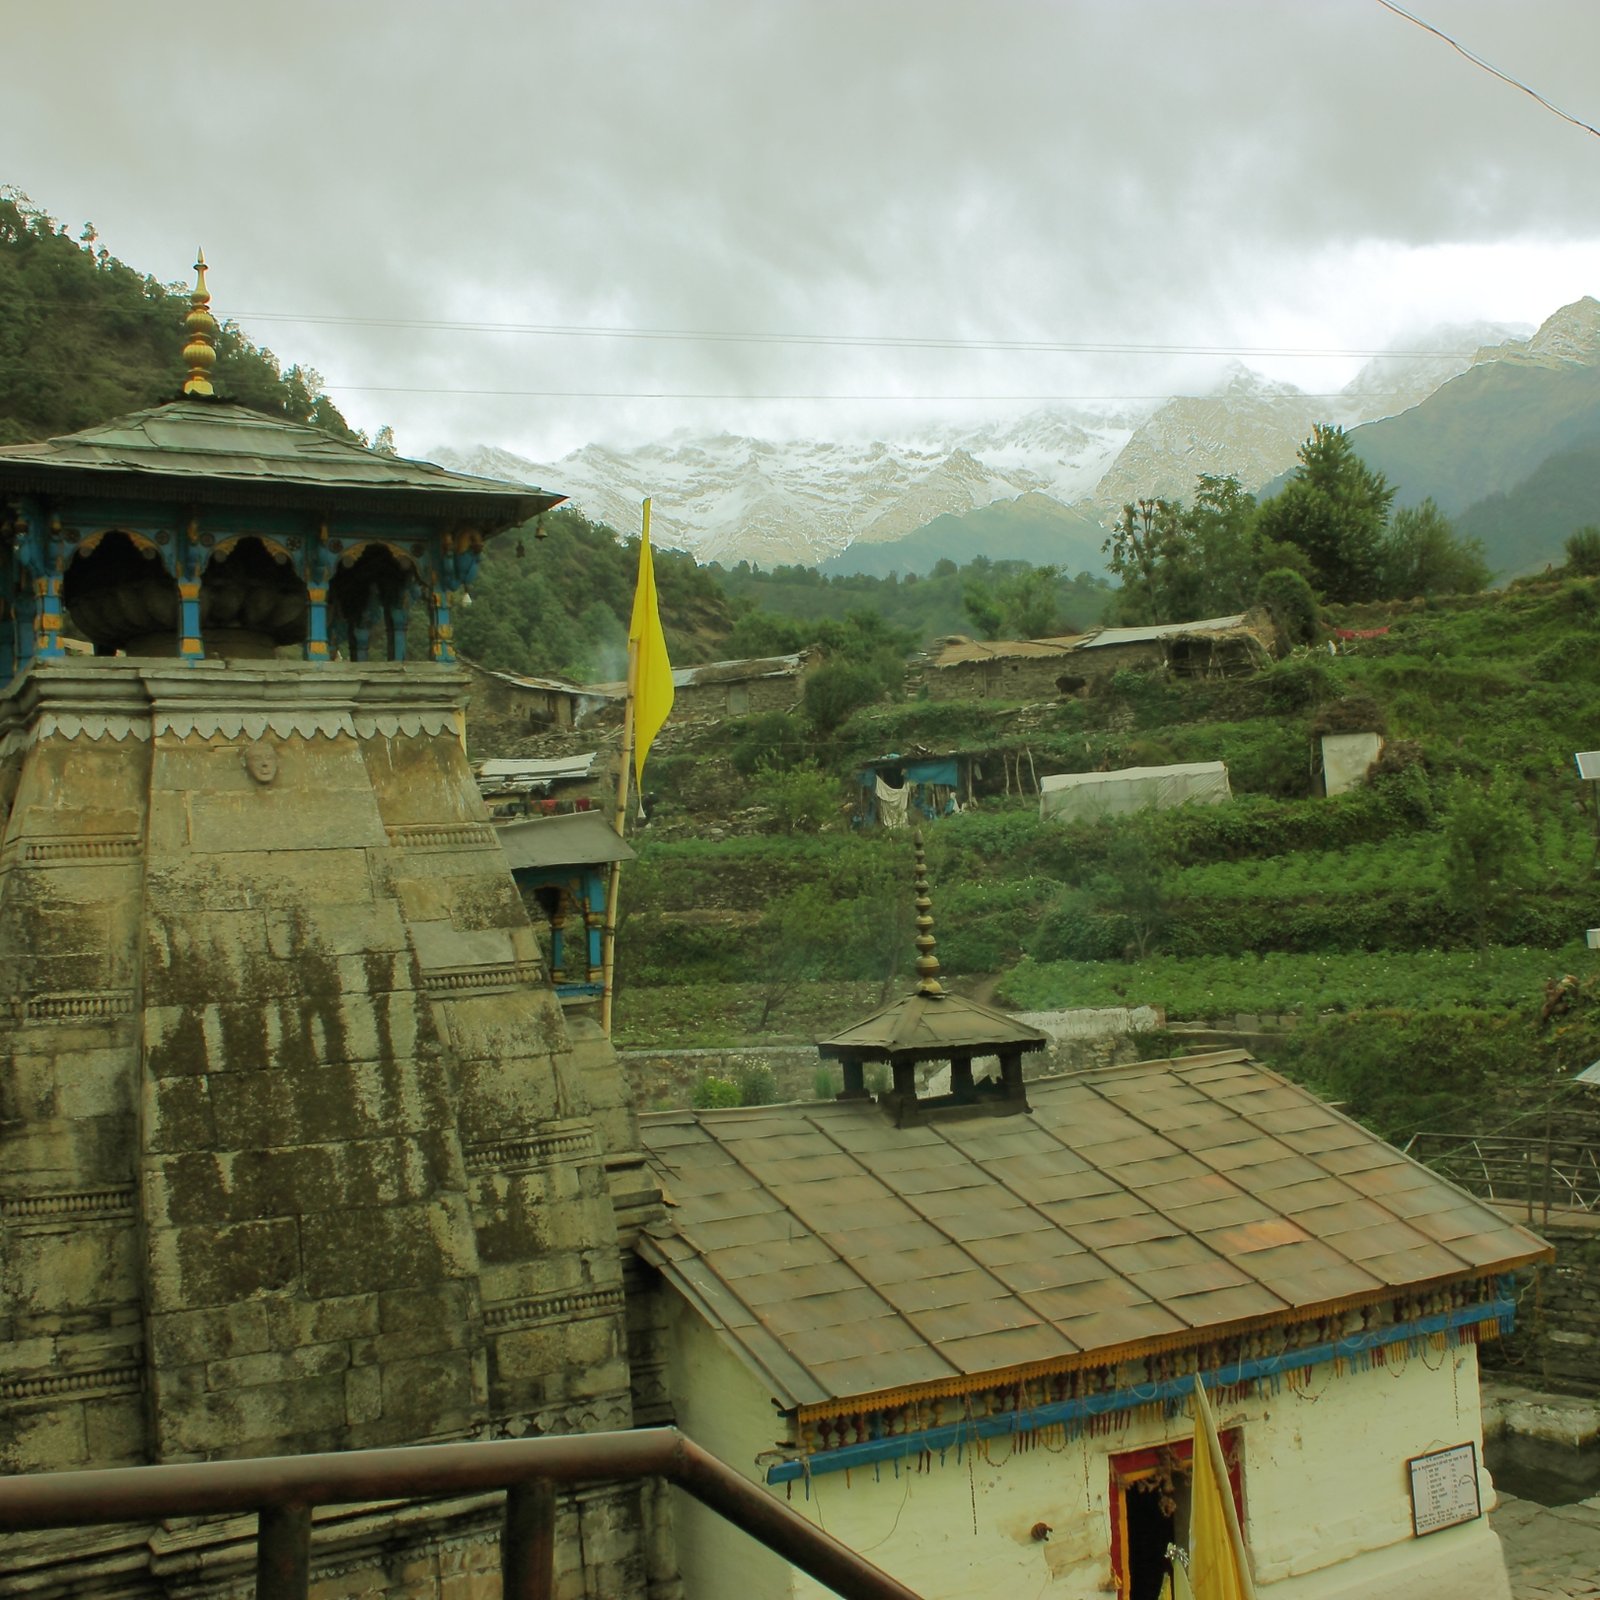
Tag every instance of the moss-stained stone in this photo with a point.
(315, 1116)
(184, 1338)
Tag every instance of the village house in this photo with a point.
(544, 785)
(1043, 669)
(959, 1329)
(510, 698)
(1218, 647)
(1002, 669)
(896, 790)
(964, 1345)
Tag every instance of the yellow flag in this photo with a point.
(649, 671)
(1219, 1569)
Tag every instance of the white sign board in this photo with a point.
(1444, 1488)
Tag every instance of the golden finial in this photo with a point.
(200, 335)
(927, 962)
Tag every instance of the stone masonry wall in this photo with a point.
(1557, 1343)
(295, 1150)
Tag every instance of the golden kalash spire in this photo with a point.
(927, 962)
(200, 336)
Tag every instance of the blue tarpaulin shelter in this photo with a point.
(894, 787)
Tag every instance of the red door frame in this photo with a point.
(1143, 1463)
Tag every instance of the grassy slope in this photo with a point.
(1279, 903)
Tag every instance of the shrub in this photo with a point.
(1583, 551)
(712, 1094)
(1291, 604)
(756, 1085)
(833, 691)
(824, 1086)
(800, 798)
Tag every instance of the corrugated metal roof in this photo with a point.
(840, 1256)
(581, 839)
(204, 445)
(710, 672)
(1159, 630)
(513, 769)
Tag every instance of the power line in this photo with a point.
(1489, 67)
(844, 340)
(928, 399)
(849, 341)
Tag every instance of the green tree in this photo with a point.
(1335, 510)
(1149, 553)
(986, 612)
(1028, 599)
(1221, 526)
(837, 689)
(1489, 851)
(1583, 551)
(1424, 555)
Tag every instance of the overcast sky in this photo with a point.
(1227, 174)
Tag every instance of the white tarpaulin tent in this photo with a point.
(1072, 795)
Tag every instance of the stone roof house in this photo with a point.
(964, 1343)
(1042, 669)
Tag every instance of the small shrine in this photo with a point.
(931, 1024)
(202, 530)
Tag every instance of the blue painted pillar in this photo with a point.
(317, 622)
(441, 635)
(594, 918)
(47, 616)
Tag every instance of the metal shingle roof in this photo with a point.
(840, 1256)
(203, 447)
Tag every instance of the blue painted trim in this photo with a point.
(580, 990)
(953, 1435)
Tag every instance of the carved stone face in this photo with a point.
(261, 761)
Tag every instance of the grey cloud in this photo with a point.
(1154, 170)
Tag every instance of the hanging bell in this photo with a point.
(538, 528)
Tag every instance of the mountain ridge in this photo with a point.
(730, 497)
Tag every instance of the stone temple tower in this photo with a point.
(296, 1151)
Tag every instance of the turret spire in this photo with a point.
(927, 962)
(200, 336)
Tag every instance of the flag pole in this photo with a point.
(608, 938)
(1208, 1580)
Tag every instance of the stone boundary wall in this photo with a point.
(1557, 1343)
(662, 1080)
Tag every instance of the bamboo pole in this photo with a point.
(608, 937)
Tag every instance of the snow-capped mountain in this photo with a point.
(731, 497)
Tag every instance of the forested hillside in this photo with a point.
(84, 338)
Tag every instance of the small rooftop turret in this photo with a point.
(201, 529)
(931, 1024)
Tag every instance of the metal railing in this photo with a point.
(283, 1490)
(1534, 1174)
